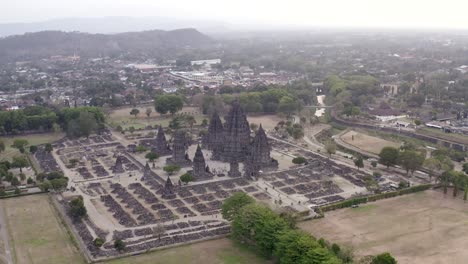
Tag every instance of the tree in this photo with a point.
(384, 258)
(48, 148)
(465, 168)
(186, 178)
(168, 103)
(2, 146)
(119, 245)
(58, 184)
(389, 156)
(299, 160)
(140, 148)
(32, 149)
(410, 160)
(359, 162)
(258, 226)
(14, 181)
(20, 144)
(84, 125)
(190, 120)
(233, 204)
(445, 179)
(131, 129)
(77, 208)
(151, 156)
(98, 242)
(148, 112)
(253, 126)
(170, 169)
(19, 162)
(44, 186)
(134, 112)
(438, 164)
(293, 245)
(374, 164)
(330, 147)
(287, 105)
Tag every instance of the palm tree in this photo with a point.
(444, 179)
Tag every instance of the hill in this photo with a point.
(111, 25)
(153, 43)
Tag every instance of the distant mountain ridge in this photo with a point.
(153, 43)
(110, 25)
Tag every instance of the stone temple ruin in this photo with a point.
(128, 199)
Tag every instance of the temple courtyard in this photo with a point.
(133, 199)
(419, 228)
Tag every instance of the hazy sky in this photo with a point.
(370, 13)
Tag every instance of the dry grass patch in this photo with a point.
(367, 143)
(36, 233)
(420, 228)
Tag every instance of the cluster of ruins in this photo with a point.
(129, 199)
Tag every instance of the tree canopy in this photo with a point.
(388, 156)
(233, 204)
(168, 103)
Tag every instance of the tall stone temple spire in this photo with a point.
(168, 190)
(147, 173)
(179, 148)
(199, 166)
(215, 137)
(259, 157)
(236, 135)
(260, 148)
(161, 147)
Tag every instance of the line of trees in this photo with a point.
(79, 121)
(275, 236)
(410, 160)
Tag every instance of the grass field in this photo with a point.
(33, 139)
(220, 251)
(367, 143)
(123, 118)
(36, 233)
(441, 134)
(419, 228)
(38, 236)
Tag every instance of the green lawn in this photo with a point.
(33, 139)
(220, 251)
(439, 133)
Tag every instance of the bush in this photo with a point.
(119, 245)
(299, 160)
(98, 242)
(186, 178)
(384, 258)
(29, 181)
